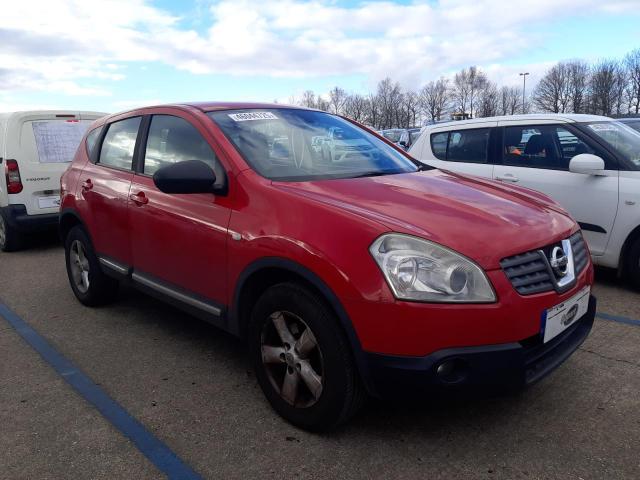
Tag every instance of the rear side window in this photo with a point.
(119, 143)
(172, 140)
(468, 146)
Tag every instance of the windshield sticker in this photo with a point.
(603, 127)
(243, 117)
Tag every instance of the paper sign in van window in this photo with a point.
(57, 141)
(243, 117)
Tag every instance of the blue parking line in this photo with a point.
(616, 318)
(156, 451)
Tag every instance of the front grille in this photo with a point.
(530, 272)
(580, 252)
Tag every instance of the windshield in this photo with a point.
(620, 138)
(296, 145)
(414, 135)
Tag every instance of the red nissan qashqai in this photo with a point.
(348, 267)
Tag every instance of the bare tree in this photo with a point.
(434, 98)
(632, 66)
(578, 73)
(355, 107)
(488, 101)
(337, 97)
(552, 94)
(510, 100)
(467, 84)
(308, 99)
(602, 87)
(323, 104)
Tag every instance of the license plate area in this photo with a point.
(557, 319)
(51, 201)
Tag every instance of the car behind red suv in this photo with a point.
(351, 274)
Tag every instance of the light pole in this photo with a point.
(524, 87)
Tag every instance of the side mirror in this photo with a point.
(587, 163)
(192, 176)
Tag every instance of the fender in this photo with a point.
(71, 212)
(234, 322)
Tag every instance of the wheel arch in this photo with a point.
(266, 272)
(69, 218)
(633, 236)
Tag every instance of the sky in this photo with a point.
(113, 55)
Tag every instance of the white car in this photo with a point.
(589, 164)
(35, 149)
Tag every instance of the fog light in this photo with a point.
(453, 370)
(445, 369)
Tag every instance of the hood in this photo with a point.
(478, 218)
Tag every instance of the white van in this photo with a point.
(35, 149)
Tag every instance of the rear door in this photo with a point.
(43, 144)
(537, 156)
(104, 190)
(465, 149)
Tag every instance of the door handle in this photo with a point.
(507, 177)
(139, 198)
(87, 185)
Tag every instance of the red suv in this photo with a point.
(351, 274)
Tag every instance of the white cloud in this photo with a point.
(59, 46)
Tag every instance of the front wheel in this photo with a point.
(89, 283)
(302, 359)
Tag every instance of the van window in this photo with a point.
(119, 143)
(172, 140)
(58, 140)
(542, 146)
(439, 145)
(469, 146)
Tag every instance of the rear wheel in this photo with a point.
(302, 359)
(632, 264)
(88, 282)
(10, 238)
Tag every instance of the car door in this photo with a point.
(179, 241)
(104, 188)
(465, 149)
(537, 156)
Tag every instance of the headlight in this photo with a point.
(421, 270)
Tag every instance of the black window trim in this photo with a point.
(609, 159)
(91, 153)
(103, 134)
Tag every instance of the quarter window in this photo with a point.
(119, 144)
(92, 138)
(468, 146)
(172, 140)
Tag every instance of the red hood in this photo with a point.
(481, 219)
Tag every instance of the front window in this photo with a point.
(392, 135)
(620, 138)
(297, 145)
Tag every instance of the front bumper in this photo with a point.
(481, 369)
(18, 218)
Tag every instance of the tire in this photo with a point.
(632, 265)
(313, 349)
(10, 238)
(89, 283)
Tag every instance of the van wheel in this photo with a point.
(88, 282)
(632, 265)
(10, 238)
(302, 359)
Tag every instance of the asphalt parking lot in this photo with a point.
(192, 388)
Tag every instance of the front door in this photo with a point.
(179, 241)
(538, 156)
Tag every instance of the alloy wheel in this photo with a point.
(79, 265)
(292, 359)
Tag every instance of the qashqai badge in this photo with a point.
(559, 262)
